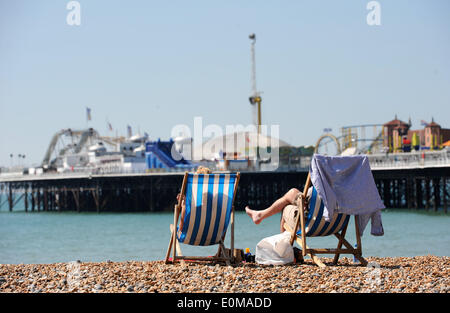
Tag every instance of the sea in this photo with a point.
(58, 237)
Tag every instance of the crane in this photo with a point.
(255, 98)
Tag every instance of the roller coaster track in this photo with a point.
(376, 141)
(340, 141)
(80, 140)
(336, 141)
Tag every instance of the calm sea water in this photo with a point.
(50, 237)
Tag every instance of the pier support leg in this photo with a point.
(38, 199)
(386, 192)
(394, 193)
(411, 192)
(65, 198)
(95, 194)
(33, 199)
(436, 194)
(151, 195)
(105, 196)
(53, 194)
(420, 194)
(427, 194)
(444, 194)
(58, 200)
(10, 198)
(26, 200)
(45, 200)
(416, 201)
(76, 197)
(52, 200)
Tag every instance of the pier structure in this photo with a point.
(414, 189)
(95, 193)
(401, 187)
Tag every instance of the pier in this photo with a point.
(403, 188)
(409, 174)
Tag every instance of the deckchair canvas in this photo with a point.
(209, 209)
(318, 227)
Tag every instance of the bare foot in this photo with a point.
(254, 215)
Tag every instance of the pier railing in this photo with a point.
(410, 160)
(385, 161)
(85, 173)
(392, 161)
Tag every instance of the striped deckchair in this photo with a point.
(209, 210)
(313, 224)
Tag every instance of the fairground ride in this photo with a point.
(69, 142)
(367, 139)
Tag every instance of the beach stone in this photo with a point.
(398, 275)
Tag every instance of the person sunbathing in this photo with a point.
(200, 170)
(287, 204)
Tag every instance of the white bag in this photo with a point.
(276, 250)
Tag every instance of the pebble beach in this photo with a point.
(422, 274)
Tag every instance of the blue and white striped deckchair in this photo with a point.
(209, 210)
(313, 224)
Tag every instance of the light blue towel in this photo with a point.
(346, 185)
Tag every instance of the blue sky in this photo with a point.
(155, 64)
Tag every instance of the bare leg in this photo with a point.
(276, 207)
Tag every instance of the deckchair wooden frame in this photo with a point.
(222, 254)
(357, 252)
